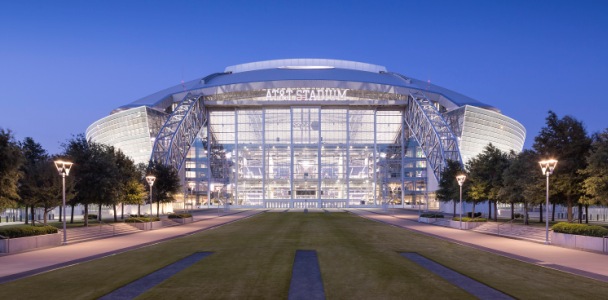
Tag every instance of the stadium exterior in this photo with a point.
(307, 133)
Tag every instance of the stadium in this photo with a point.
(315, 133)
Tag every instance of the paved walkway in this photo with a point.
(588, 264)
(15, 266)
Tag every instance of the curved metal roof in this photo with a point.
(306, 69)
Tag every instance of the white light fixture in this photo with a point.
(461, 178)
(547, 166)
(63, 167)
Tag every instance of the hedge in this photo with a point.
(477, 214)
(17, 231)
(179, 216)
(141, 219)
(92, 216)
(580, 229)
(431, 215)
(467, 219)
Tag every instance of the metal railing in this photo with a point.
(510, 223)
(102, 223)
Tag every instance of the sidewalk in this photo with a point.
(583, 263)
(15, 266)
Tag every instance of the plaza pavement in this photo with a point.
(588, 264)
(579, 262)
(19, 265)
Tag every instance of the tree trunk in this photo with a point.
(86, 215)
(27, 216)
(115, 216)
(60, 213)
(512, 210)
(473, 212)
(489, 210)
(552, 212)
(526, 213)
(138, 210)
(454, 215)
(541, 213)
(570, 216)
(157, 209)
(99, 213)
(586, 213)
(45, 216)
(495, 210)
(580, 213)
(33, 215)
(72, 214)
(122, 211)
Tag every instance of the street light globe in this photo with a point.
(63, 167)
(461, 178)
(548, 165)
(150, 179)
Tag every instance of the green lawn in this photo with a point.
(359, 260)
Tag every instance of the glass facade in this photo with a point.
(295, 157)
(477, 127)
(307, 133)
(132, 131)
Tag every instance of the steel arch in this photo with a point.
(179, 131)
(431, 131)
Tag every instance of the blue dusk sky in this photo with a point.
(66, 64)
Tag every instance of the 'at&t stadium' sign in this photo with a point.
(306, 94)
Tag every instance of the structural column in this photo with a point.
(291, 165)
(209, 140)
(264, 172)
(347, 170)
(375, 186)
(319, 141)
(403, 126)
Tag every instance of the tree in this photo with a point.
(49, 190)
(595, 185)
(166, 185)
(128, 187)
(566, 140)
(522, 183)
(485, 176)
(94, 171)
(449, 190)
(10, 163)
(29, 183)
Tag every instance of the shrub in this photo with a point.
(16, 231)
(431, 215)
(179, 216)
(141, 219)
(580, 229)
(518, 216)
(92, 217)
(467, 219)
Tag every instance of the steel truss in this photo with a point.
(179, 131)
(431, 131)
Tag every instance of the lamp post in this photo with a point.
(150, 179)
(461, 178)
(547, 166)
(63, 167)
